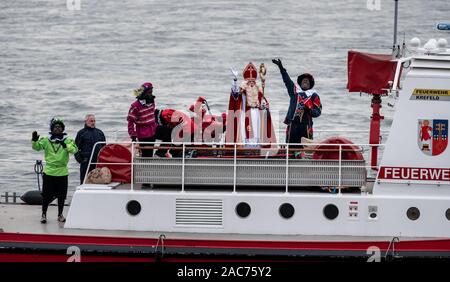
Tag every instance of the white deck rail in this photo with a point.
(256, 168)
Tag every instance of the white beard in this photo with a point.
(251, 99)
(251, 93)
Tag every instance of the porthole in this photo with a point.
(447, 214)
(133, 207)
(330, 211)
(286, 210)
(413, 213)
(243, 209)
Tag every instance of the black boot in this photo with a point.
(44, 218)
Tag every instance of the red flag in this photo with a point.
(370, 73)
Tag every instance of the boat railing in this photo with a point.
(237, 165)
(117, 135)
(12, 167)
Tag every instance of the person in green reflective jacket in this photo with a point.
(57, 147)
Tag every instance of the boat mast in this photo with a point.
(394, 46)
(375, 119)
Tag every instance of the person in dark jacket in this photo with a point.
(85, 141)
(304, 105)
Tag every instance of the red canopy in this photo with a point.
(350, 152)
(370, 73)
(114, 154)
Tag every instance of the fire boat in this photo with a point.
(218, 201)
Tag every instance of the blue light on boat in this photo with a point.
(443, 26)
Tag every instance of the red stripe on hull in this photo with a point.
(433, 246)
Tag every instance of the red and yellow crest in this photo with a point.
(432, 136)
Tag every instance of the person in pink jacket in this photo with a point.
(141, 118)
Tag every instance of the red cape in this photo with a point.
(234, 122)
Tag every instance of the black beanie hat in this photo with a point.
(309, 77)
(55, 121)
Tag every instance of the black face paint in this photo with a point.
(150, 99)
(57, 129)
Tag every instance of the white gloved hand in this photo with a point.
(234, 87)
(234, 73)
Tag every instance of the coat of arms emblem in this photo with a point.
(432, 136)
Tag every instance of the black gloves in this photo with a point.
(34, 136)
(278, 63)
(133, 138)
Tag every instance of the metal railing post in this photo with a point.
(234, 169)
(132, 165)
(90, 161)
(182, 167)
(340, 167)
(287, 168)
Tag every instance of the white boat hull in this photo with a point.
(215, 212)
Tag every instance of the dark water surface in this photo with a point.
(54, 61)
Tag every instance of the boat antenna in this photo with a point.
(403, 45)
(394, 46)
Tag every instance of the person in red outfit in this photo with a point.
(141, 118)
